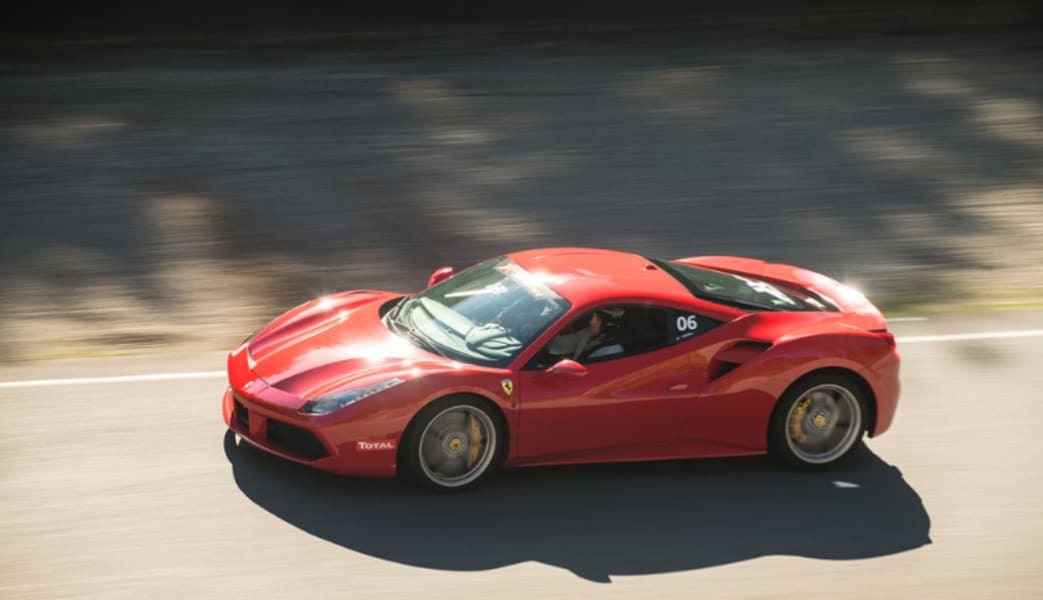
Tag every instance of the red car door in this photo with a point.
(624, 402)
(620, 404)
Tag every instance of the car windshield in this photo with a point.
(485, 315)
(741, 291)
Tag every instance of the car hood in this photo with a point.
(333, 343)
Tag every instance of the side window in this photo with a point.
(685, 325)
(608, 332)
(617, 330)
(643, 328)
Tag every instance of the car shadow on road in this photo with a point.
(602, 520)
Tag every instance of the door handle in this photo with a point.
(679, 387)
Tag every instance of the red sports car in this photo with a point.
(568, 355)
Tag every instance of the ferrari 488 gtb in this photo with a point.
(568, 355)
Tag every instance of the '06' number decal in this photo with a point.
(687, 323)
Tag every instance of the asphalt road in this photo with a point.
(134, 490)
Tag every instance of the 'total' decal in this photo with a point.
(370, 446)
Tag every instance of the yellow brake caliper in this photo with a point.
(476, 441)
(796, 433)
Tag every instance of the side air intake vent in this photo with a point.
(732, 357)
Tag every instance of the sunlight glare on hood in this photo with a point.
(375, 353)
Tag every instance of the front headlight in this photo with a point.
(331, 402)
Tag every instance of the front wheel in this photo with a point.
(452, 444)
(818, 421)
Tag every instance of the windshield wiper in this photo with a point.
(392, 314)
(395, 324)
(422, 341)
(400, 326)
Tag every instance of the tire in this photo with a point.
(818, 421)
(453, 444)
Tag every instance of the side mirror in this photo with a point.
(439, 276)
(567, 368)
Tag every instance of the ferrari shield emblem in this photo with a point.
(508, 386)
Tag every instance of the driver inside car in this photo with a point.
(593, 341)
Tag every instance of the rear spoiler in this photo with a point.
(846, 298)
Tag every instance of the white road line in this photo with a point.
(957, 337)
(916, 339)
(118, 379)
(905, 319)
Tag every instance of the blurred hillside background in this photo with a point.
(175, 174)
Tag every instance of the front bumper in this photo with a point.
(267, 418)
(270, 431)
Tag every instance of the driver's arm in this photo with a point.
(582, 339)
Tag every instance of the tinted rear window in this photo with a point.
(739, 290)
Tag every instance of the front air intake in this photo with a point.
(296, 440)
(242, 415)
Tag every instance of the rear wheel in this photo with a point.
(453, 444)
(818, 421)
